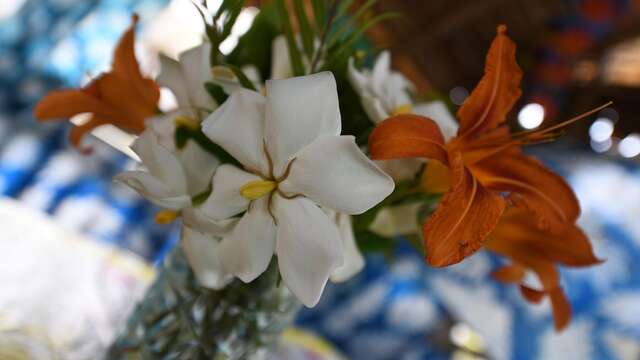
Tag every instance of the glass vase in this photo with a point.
(180, 319)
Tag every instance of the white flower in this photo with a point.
(170, 179)
(186, 79)
(294, 162)
(384, 92)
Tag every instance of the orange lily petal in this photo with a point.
(436, 177)
(62, 104)
(125, 66)
(121, 97)
(561, 308)
(407, 136)
(518, 237)
(569, 246)
(532, 186)
(509, 274)
(532, 295)
(464, 217)
(119, 94)
(492, 99)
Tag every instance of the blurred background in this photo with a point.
(61, 217)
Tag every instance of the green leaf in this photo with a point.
(294, 52)
(350, 21)
(319, 13)
(216, 92)
(306, 32)
(344, 7)
(368, 242)
(352, 38)
(202, 197)
(242, 78)
(184, 134)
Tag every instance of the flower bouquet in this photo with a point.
(280, 185)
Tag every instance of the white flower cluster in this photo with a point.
(297, 183)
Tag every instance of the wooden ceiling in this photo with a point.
(446, 40)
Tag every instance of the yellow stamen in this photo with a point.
(223, 72)
(187, 122)
(166, 217)
(402, 109)
(258, 188)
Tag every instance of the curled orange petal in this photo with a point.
(531, 185)
(126, 68)
(122, 97)
(569, 246)
(492, 99)
(407, 136)
(532, 295)
(509, 274)
(561, 308)
(464, 217)
(67, 103)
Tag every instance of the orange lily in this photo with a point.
(518, 237)
(481, 164)
(122, 97)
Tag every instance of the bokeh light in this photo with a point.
(531, 116)
(630, 146)
(458, 95)
(601, 146)
(601, 130)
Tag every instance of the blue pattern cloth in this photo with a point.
(393, 310)
(55, 43)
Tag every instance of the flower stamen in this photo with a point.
(187, 122)
(402, 109)
(256, 189)
(166, 217)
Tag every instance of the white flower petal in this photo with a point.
(154, 190)
(238, 127)
(374, 108)
(197, 71)
(358, 79)
(401, 169)
(381, 71)
(161, 162)
(308, 247)
(203, 254)
(225, 200)
(164, 127)
(333, 172)
(196, 219)
(396, 93)
(353, 259)
(438, 112)
(280, 62)
(299, 110)
(171, 77)
(397, 220)
(247, 251)
(199, 166)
